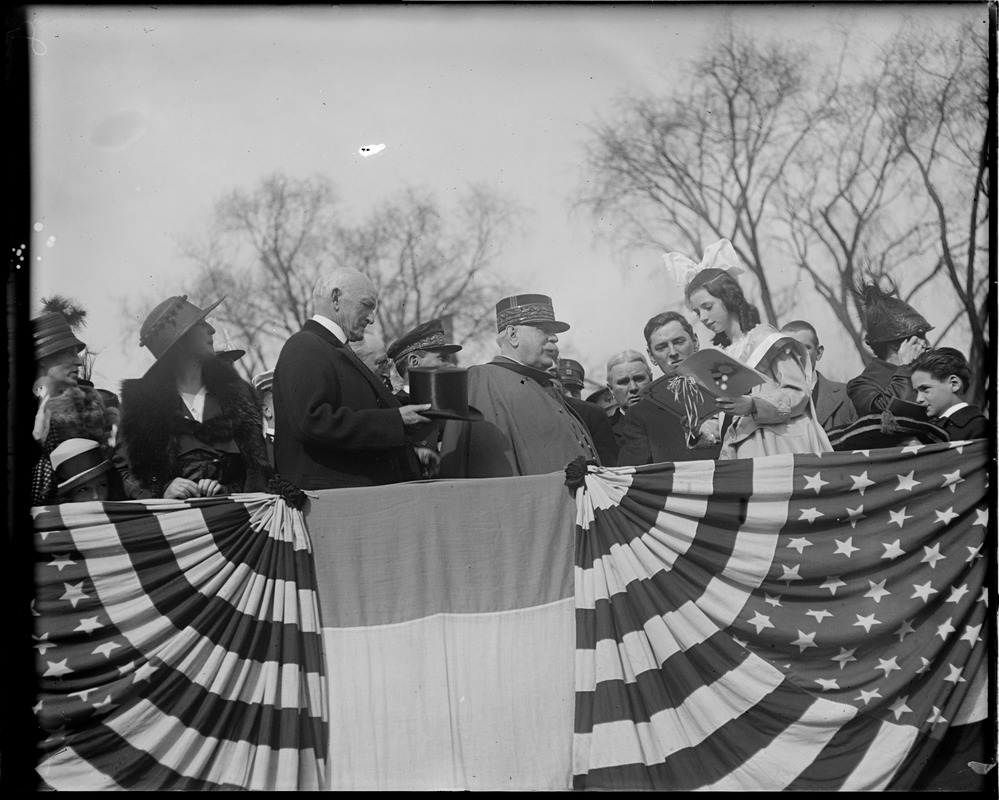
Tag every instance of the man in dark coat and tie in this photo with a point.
(335, 423)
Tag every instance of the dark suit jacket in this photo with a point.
(965, 423)
(335, 423)
(651, 434)
(833, 406)
(600, 429)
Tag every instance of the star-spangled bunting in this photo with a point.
(178, 646)
(693, 678)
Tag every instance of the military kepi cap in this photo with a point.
(425, 336)
(528, 309)
(570, 372)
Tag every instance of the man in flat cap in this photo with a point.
(426, 345)
(528, 427)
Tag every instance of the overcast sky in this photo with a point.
(143, 117)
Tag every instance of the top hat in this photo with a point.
(52, 334)
(76, 461)
(425, 336)
(446, 389)
(528, 309)
(873, 431)
(887, 317)
(570, 372)
(264, 381)
(169, 321)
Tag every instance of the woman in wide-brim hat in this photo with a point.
(66, 408)
(190, 426)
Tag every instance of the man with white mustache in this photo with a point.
(528, 428)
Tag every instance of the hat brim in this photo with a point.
(473, 415)
(231, 355)
(83, 477)
(182, 331)
(555, 325)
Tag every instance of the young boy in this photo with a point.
(940, 378)
(81, 471)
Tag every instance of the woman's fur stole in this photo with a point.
(152, 420)
(78, 413)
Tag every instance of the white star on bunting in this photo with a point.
(971, 634)
(799, 544)
(790, 574)
(815, 482)
(845, 548)
(867, 622)
(889, 665)
(88, 625)
(772, 599)
(74, 593)
(844, 656)
(946, 629)
(832, 583)
(761, 621)
(955, 675)
(877, 590)
(904, 630)
(56, 669)
(61, 561)
(899, 517)
(855, 515)
(827, 684)
(819, 614)
(932, 555)
(956, 593)
(893, 550)
(946, 516)
(860, 483)
(804, 641)
(906, 482)
(867, 696)
(811, 514)
(952, 479)
(898, 708)
(923, 591)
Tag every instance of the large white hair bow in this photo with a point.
(720, 255)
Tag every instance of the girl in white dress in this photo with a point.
(777, 416)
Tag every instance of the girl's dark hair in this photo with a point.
(666, 317)
(718, 283)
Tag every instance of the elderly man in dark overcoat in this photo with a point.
(335, 423)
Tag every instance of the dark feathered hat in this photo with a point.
(886, 316)
(52, 333)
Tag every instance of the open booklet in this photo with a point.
(697, 383)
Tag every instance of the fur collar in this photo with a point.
(78, 412)
(153, 419)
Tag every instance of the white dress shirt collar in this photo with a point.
(952, 409)
(331, 326)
